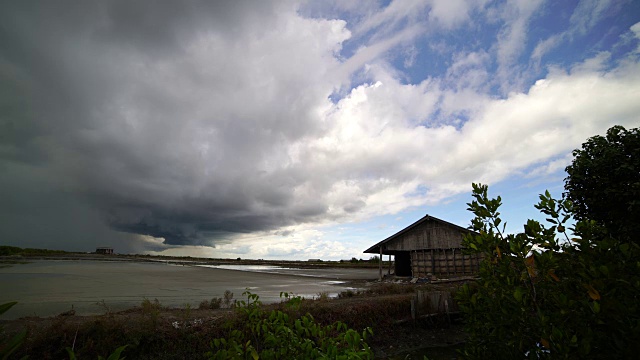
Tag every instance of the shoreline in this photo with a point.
(50, 286)
(196, 260)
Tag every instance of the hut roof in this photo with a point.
(375, 249)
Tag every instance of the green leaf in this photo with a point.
(13, 345)
(6, 306)
(604, 269)
(517, 294)
(72, 355)
(624, 248)
(116, 354)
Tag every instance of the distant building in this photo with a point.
(104, 250)
(428, 248)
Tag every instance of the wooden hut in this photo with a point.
(428, 248)
(104, 250)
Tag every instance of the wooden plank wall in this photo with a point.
(435, 302)
(429, 235)
(443, 263)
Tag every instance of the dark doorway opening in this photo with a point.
(403, 263)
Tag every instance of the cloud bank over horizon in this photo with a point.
(232, 128)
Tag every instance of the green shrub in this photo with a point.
(151, 309)
(323, 296)
(228, 298)
(542, 297)
(277, 335)
(348, 293)
(213, 304)
(186, 312)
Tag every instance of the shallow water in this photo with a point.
(47, 288)
(328, 273)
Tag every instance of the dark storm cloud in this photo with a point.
(169, 119)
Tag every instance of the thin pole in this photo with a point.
(380, 263)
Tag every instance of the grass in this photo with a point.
(323, 296)
(148, 331)
(151, 310)
(217, 303)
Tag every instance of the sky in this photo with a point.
(295, 129)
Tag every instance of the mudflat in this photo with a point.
(50, 287)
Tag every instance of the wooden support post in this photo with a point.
(380, 263)
(412, 262)
(446, 260)
(455, 268)
(433, 264)
(443, 257)
(413, 308)
(464, 271)
(446, 309)
(473, 259)
(389, 271)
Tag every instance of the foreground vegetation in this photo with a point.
(9, 345)
(561, 291)
(277, 335)
(153, 331)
